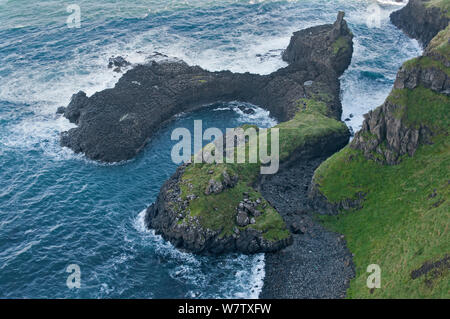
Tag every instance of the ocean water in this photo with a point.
(58, 208)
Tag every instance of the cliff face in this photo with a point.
(387, 133)
(422, 19)
(391, 185)
(173, 217)
(217, 208)
(334, 50)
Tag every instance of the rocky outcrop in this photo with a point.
(422, 19)
(115, 124)
(431, 70)
(194, 195)
(320, 204)
(169, 216)
(385, 135)
(334, 49)
(117, 63)
(414, 75)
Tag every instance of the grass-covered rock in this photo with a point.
(414, 111)
(422, 19)
(215, 207)
(396, 215)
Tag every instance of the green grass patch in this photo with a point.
(426, 62)
(422, 106)
(218, 211)
(340, 44)
(401, 225)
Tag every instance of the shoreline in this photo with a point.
(318, 264)
(298, 272)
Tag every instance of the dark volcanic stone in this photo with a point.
(115, 124)
(61, 110)
(305, 45)
(118, 62)
(420, 22)
(164, 217)
(317, 264)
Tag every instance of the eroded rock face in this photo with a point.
(385, 134)
(115, 124)
(419, 21)
(430, 78)
(216, 187)
(319, 45)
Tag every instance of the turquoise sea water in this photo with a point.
(57, 208)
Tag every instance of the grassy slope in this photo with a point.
(405, 217)
(399, 227)
(439, 45)
(217, 211)
(440, 42)
(442, 4)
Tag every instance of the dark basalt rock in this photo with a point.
(115, 124)
(247, 110)
(432, 78)
(118, 62)
(383, 131)
(170, 215)
(420, 22)
(334, 48)
(164, 218)
(385, 134)
(61, 110)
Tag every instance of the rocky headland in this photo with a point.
(219, 208)
(390, 186)
(422, 19)
(115, 124)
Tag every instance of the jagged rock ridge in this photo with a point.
(115, 124)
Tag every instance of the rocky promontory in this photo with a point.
(389, 132)
(219, 208)
(390, 187)
(407, 119)
(115, 124)
(422, 19)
